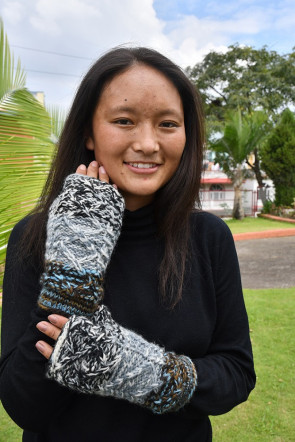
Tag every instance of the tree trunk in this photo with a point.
(256, 168)
(238, 210)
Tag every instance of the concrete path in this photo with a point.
(267, 262)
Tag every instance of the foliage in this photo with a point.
(57, 119)
(267, 207)
(241, 135)
(270, 208)
(25, 146)
(278, 158)
(244, 77)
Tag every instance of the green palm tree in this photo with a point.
(26, 147)
(241, 136)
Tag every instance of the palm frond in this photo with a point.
(57, 118)
(25, 146)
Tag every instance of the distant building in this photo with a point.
(217, 194)
(40, 96)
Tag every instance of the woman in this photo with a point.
(138, 305)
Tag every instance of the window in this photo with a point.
(217, 192)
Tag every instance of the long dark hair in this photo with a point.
(173, 203)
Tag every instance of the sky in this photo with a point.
(58, 40)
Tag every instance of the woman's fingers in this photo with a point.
(51, 329)
(58, 320)
(82, 169)
(103, 176)
(94, 171)
(48, 329)
(44, 348)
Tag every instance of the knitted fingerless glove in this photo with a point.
(83, 226)
(98, 356)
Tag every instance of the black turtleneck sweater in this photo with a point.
(209, 325)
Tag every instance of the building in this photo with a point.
(217, 193)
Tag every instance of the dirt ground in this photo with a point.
(267, 263)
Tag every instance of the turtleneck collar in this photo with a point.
(139, 224)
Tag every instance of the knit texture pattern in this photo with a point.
(84, 223)
(98, 356)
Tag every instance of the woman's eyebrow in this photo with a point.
(160, 112)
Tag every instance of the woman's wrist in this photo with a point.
(83, 227)
(97, 356)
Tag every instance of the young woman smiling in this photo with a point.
(132, 297)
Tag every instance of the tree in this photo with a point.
(244, 77)
(241, 135)
(278, 158)
(25, 146)
(248, 78)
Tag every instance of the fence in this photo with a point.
(221, 202)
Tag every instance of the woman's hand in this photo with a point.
(51, 329)
(94, 171)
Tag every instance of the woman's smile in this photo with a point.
(145, 168)
(138, 133)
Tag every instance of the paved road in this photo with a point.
(267, 263)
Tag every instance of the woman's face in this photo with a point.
(138, 133)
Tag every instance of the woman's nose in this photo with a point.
(146, 140)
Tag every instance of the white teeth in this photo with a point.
(143, 165)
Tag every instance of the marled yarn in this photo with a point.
(93, 353)
(98, 356)
(84, 223)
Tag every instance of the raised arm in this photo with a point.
(23, 385)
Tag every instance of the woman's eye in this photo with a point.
(123, 121)
(168, 124)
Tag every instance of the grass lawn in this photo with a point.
(256, 225)
(269, 414)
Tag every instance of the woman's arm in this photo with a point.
(84, 223)
(29, 398)
(226, 373)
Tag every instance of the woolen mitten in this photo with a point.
(84, 223)
(98, 356)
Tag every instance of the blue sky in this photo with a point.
(57, 40)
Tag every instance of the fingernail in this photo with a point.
(42, 326)
(82, 167)
(102, 169)
(52, 319)
(115, 186)
(40, 347)
(94, 164)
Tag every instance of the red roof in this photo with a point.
(216, 181)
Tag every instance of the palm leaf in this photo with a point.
(25, 146)
(57, 118)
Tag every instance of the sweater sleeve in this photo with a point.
(226, 373)
(30, 399)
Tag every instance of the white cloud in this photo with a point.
(89, 27)
(12, 12)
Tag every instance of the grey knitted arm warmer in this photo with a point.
(98, 356)
(83, 226)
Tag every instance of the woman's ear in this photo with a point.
(89, 143)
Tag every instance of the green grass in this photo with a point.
(256, 225)
(269, 414)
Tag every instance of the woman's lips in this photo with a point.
(142, 168)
